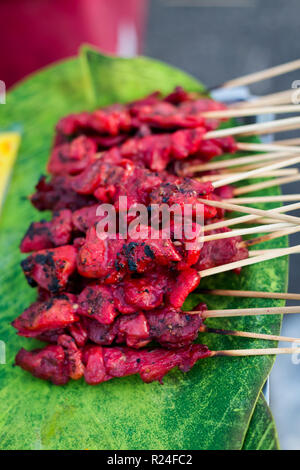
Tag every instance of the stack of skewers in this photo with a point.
(113, 306)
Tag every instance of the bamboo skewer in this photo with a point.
(253, 111)
(263, 252)
(272, 99)
(262, 199)
(258, 128)
(254, 352)
(286, 142)
(248, 261)
(251, 217)
(248, 334)
(262, 75)
(244, 312)
(268, 174)
(265, 184)
(254, 253)
(270, 236)
(245, 146)
(284, 128)
(257, 171)
(251, 210)
(247, 231)
(239, 161)
(251, 294)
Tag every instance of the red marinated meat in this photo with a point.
(111, 121)
(50, 269)
(48, 363)
(172, 328)
(56, 363)
(72, 158)
(55, 313)
(177, 96)
(58, 194)
(85, 217)
(43, 234)
(110, 259)
(185, 283)
(223, 251)
(95, 292)
(184, 191)
(134, 330)
(103, 364)
(96, 301)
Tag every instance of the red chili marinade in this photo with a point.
(111, 308)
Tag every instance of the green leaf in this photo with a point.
(262, 433)
(208, 408)
(112, 79)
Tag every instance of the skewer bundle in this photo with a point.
(94, 293)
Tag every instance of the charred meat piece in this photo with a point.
(96, 301)
(50, 269)
(58, 194)
(111, 259)
(85, 217)
(43, 234)
(102, 364)
(173, 328)
(54, 313)
(223, 251)
(184, 191)
(56, 363)
(133, 330)
(111, 121)
(48, 363)
(72, 158)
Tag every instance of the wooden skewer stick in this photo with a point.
(251, 210)
(268, 174)
(254, 352)
(248, 218)
(250, 147)
(284, 128)
(282, 97)
(245, 312)
(271, 126)
(247, 231)
(263, 252)
(253, 111)
(248, 334)
(270, 236)
(265, 184)
(251, 294)
(262, 75)
(248, 261)
(260, 199)
(238, 161)
(257, 171)
(253, 166)
(286, 142)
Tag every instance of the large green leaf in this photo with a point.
(262, 433)
(208, 408)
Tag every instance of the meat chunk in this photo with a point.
(97, 302)
(50, 269)
(73, 157)
(112, 258)
(43, 234)
(55, 313)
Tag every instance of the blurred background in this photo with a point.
(215, 40)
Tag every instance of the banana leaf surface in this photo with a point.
(212, 406)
